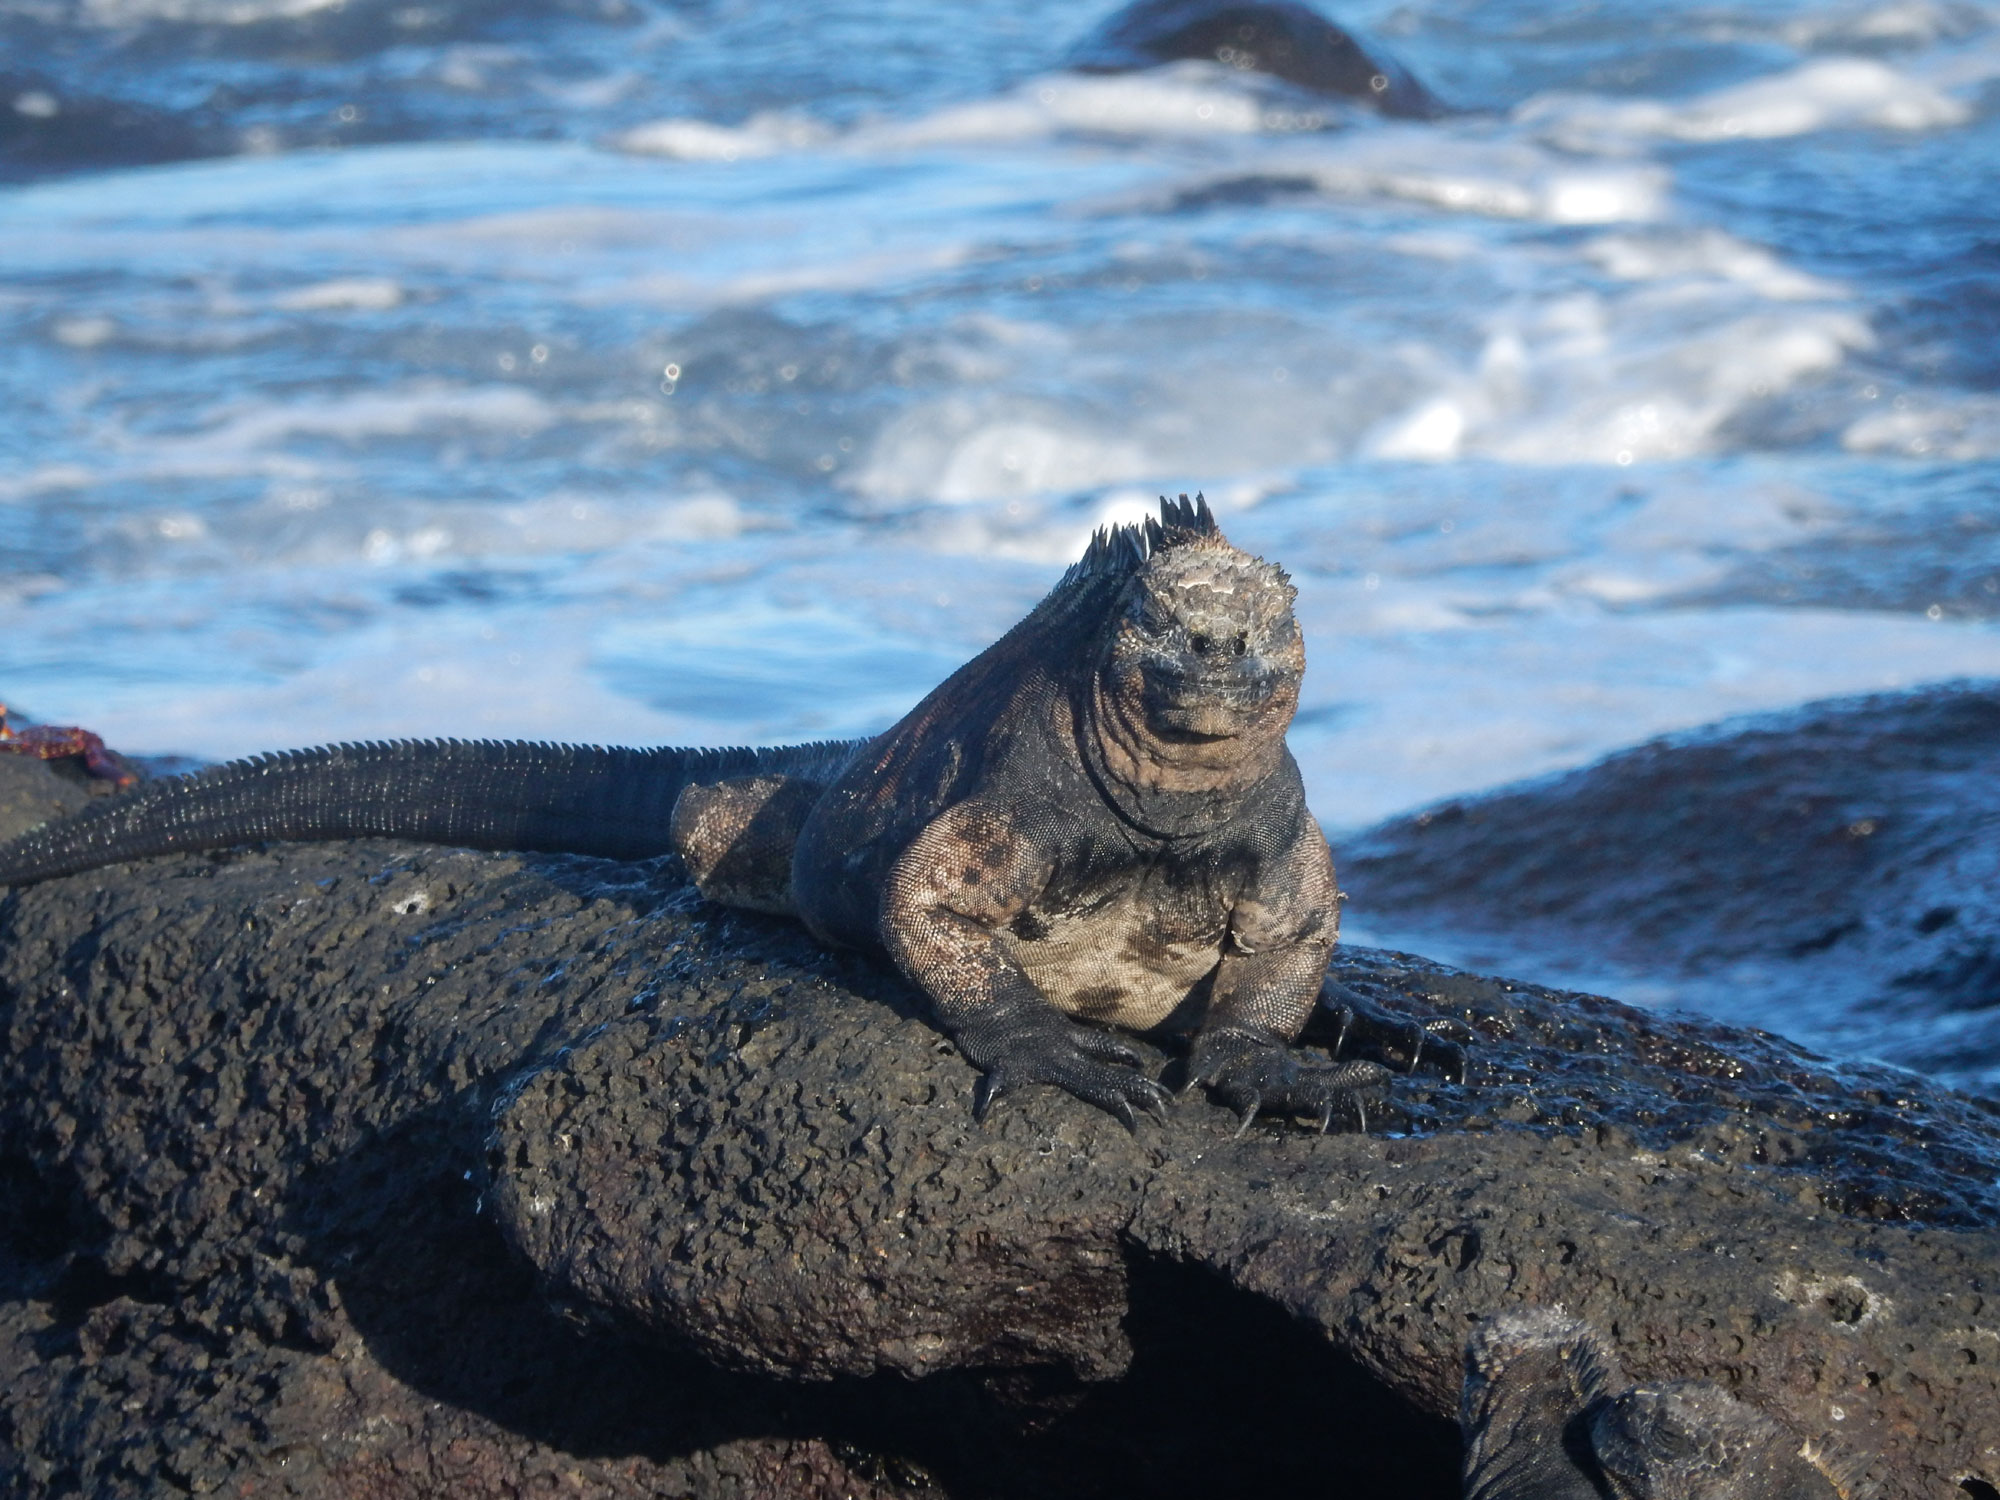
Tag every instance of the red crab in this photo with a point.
(48, 742)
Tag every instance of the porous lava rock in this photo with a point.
(385, 1170)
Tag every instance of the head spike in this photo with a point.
(1122, 550)
(1183, 520)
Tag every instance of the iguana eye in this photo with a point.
(1242, 644)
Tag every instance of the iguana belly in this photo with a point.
(1112, 964)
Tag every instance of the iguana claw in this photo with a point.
(1251, 1072)
(1038, 1044)
(1249, 1119)
(1402, 1038)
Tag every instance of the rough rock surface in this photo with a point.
(33, 792)
(372, 1169)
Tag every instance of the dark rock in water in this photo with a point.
(361, 1168)
(1279, 37)
(45, 128)
(1838, 865)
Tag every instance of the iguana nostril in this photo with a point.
(1200, 644)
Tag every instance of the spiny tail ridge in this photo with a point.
(479, 794)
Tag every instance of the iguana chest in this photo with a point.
(1127, 950)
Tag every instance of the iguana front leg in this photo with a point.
(1281, 934)
(945, 906)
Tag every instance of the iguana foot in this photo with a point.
(1254, 1071)
(1435, 1042)
(1021, 1044)
(50, 742)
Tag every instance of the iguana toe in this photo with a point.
(1253, 1074)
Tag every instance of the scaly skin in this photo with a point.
(1095, 821)
(1547, 1415)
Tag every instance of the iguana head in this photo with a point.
(1199, 670)
(1206, 646)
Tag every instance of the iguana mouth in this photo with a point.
(1209, 704)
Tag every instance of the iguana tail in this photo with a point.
(477, 794)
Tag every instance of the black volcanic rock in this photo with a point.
(1280, 37)
(377, 1169)
(1843, 857)
(32, 792)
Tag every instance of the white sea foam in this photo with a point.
(720, 282)
(700, 140)
(1666, 366)
(1680, 253)
(251, 436)
(1826, 94)
(1457, 168)
(963, 450)
(85, 333)
(1957, 428)
(1504, 179)
(45, 479)
(1901, 22)
(125, 13)
(350, 294)
(1191, 99)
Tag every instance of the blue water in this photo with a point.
(728, 372)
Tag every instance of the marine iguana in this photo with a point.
(1096, 820)
(1546, 1414)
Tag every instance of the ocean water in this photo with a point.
(728, 372)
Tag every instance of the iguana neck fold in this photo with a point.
(1169, 789)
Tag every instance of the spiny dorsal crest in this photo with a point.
(1119, 551)
(1182, 522)
(1211, 587)
(1184, 561)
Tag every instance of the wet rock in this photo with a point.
(369, 1166)
(1834, 866)
(1279, 37)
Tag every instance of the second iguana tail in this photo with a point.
(478, 794)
